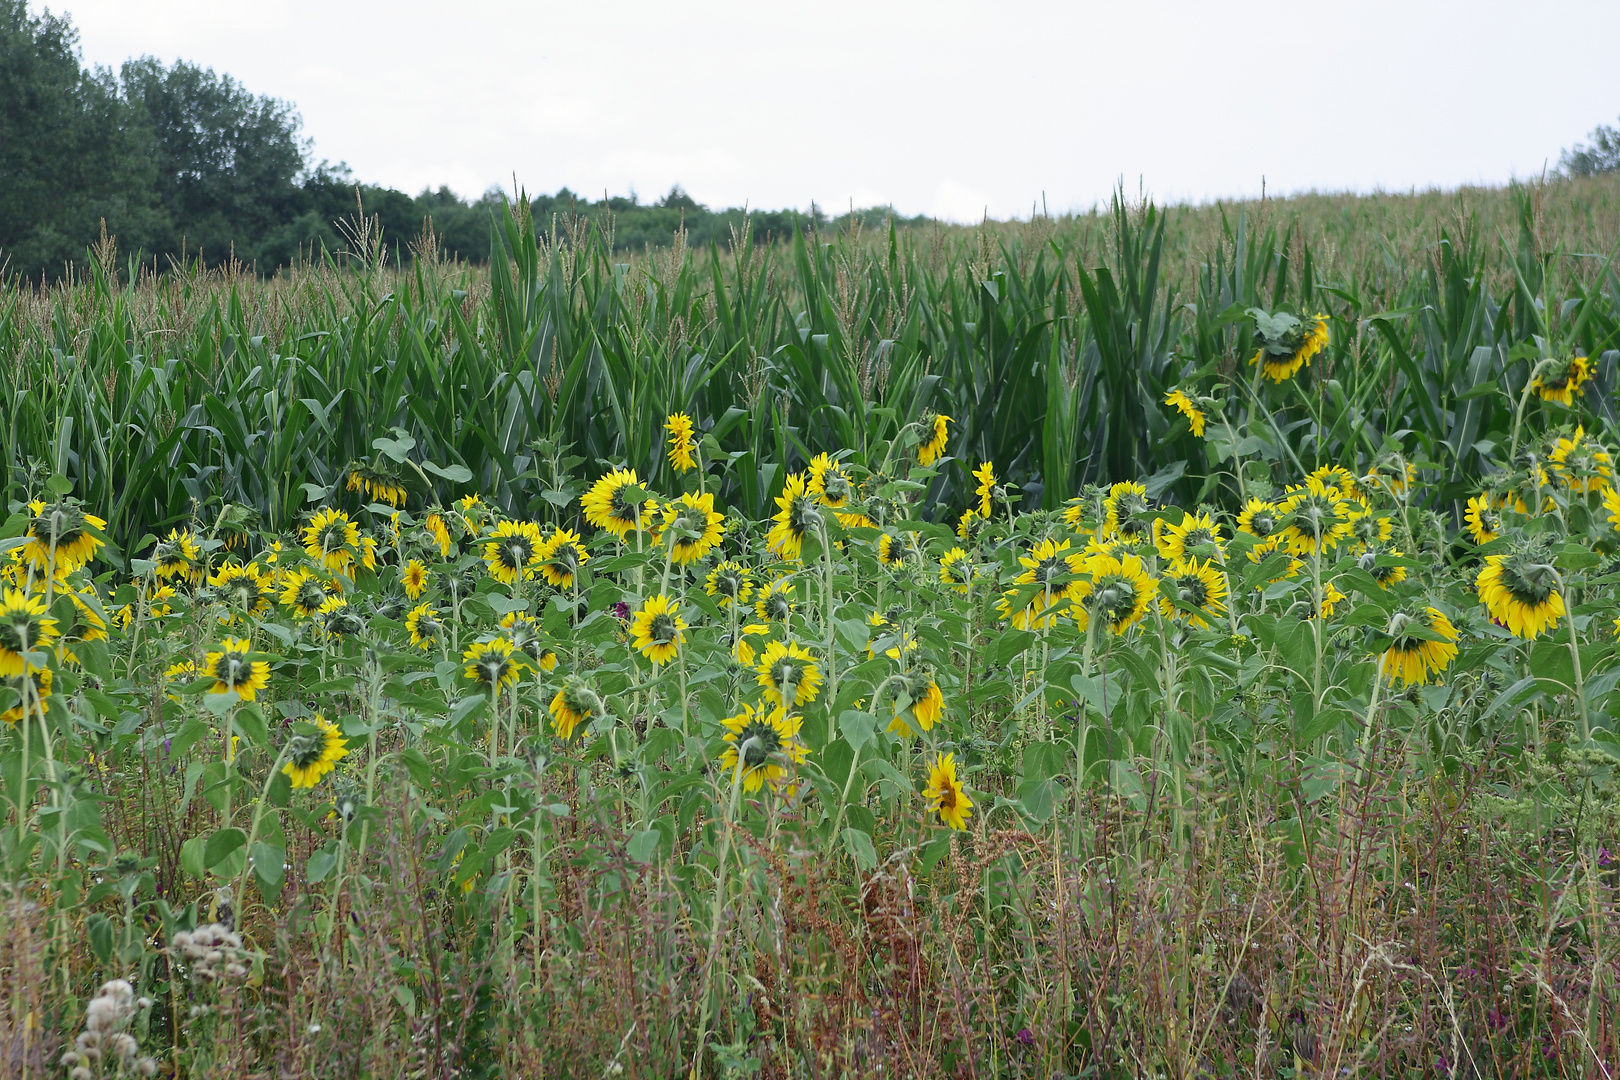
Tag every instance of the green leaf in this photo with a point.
(859, 846)
(222, 845)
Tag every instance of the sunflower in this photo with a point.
(574, 704)
(606, 506)
(956, 570)
(424, 625)
(890, 551)
(1076, 514)
(523, 630)
(561, 557)
(1611, 503)
(1123, 510)
(415, 579)
(1318, 517)
(968, 524)
(730, 583)
(513, 551)
(1264, 550)
(742, 648)
(902, 640)
(679, 426)
(1286, 343)
(1198, 584)
(1045, 565)
(1368, 529)
(232, 668)
(985, 474)
(1484, 520)
(1188, 408)
(88, 621)
(1520, 590)
(796, 517)
(929, 451)
(61, 536)
(656, 630)
(692, 527)
(830, 485)
(784, 665)
(1387, 474)
(855, 520)
(41, 680)
(312, 754)
(945, 794)
(178, 557)
(1580, 464)
(435, 525)
(24, 628)
(775, 601)
(1414, 653)
(243, 587)
(376, 485)
(1197, 535)
(302, 591)
(1562, 381)
(1258, 518)
(767, 741)
(1384, 575)
(919, 702)
(1324, 600)
(332, 540)
(1118, 590)
(495, 664)
(368, 553)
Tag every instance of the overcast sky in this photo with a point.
(947, 108)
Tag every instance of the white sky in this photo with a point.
(946, 107)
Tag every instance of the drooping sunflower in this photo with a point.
(243, 587)
(1317, 516)
(796, 517)
(494, 664)
(946, 795)
(829, 484)
(1116, 590)
(574, 704)
(1188, 408)
(956, 570)
(767, 741)
(1581, 464)
(607, 508)
(24, 628)
(232, 668)
(1198, 536)
(424, 625)
(332, 540)
(919, 702)
(314, 753)
(785, 664)
(1483, 518)
(1285, 343)
(692, 527)
(656, 631)
(1520, 590)
(937, 430)
(436, 527)
(985, 474)
(1563, 380)
(513, 551)
(1258, 518)
(39, 682)
(1198, 584)
(1124, 510)
(376, 485)
(679, 426)
(561, 556)
(179, 558)
(61, 535)
(730, 583)
(775, 601)
(523, 630)
(1420, 645)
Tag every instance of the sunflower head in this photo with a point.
(233, 669)
(575, 703)
(829, 484)
(1521, 590)
(1197, 584)
(787, 667)
(1285, 343)
(1117, 591)
(657, 630)
(775, 602)
(179, 557)
(1561, 380)
(376, 485)
(956, 570)
(1125, 509)
(332, 539)
(616, 503)
(314, 750)
(918, 702)
(61, 535)
(1185, 405)
(935, 433)
(561, 558)
(512, 551)
(424, 625)
(494, 664)
(763, 746)
(692, 527)
(24, 629)
(1483, 518)
(1317, 517)
(1421, 643)
(796, 517)
(730, 583)
(681, 456)
(945, 793)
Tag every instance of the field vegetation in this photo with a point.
(1152, 643)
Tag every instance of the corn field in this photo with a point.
(1154, 643)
